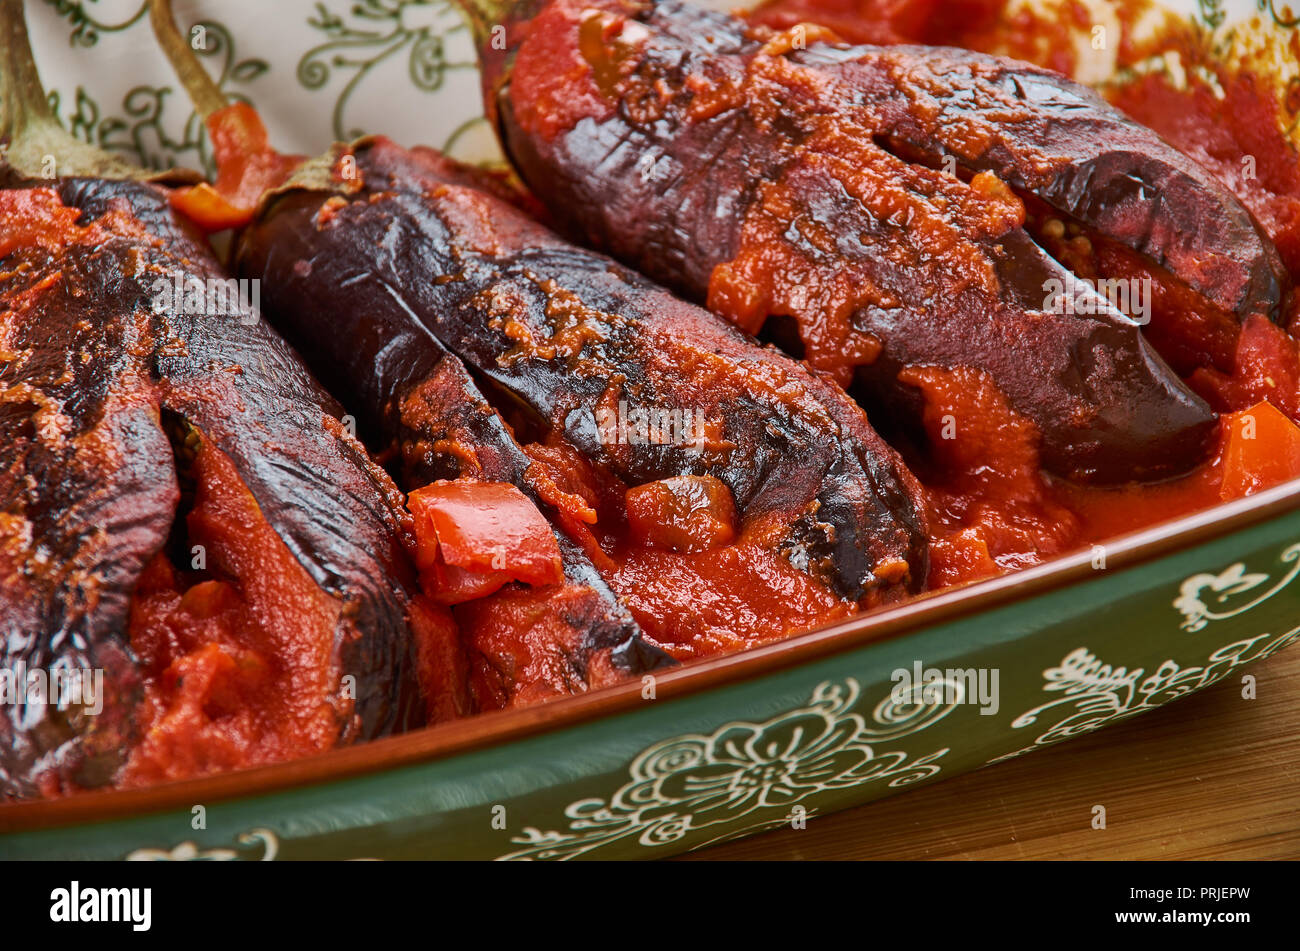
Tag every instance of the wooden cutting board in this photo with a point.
(1210, 776)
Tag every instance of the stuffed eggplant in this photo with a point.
(878, 197)
(189, 535)
(571, 335)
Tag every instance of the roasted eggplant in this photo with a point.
(183, 511)
(876, 196)
(419, 404)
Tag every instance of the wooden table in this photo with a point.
(1208, 776)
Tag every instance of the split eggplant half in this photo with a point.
(876, 197)
(185, 522)
(417, 402)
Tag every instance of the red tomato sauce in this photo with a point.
(697, 583)
(238, 657)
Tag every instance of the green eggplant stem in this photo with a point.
(23, 102)
(485, 16)
(203, 92)
(32, 143)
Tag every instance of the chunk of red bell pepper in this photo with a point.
(247, 166)
(473, 537)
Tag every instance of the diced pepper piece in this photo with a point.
(426, 536)
(682, 513)
(247, 167)
(209, 209)
(1261, 450)
(486, 527)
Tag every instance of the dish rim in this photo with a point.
(486, 730)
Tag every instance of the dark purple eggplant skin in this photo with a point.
(416, 397)
(78, 528)
(668, 194)
(459, 263)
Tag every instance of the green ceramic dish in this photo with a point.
(735, 745)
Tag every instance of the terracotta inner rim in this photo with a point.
(490, 729)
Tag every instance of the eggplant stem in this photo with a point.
(482, 16)
(203, 92)
(33, 145)
(485, 16)
(22, 98)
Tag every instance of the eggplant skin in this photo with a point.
(88, 483)
(480, 276)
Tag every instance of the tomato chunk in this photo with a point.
(474, 537)
(682, 513)
(1261, 450)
